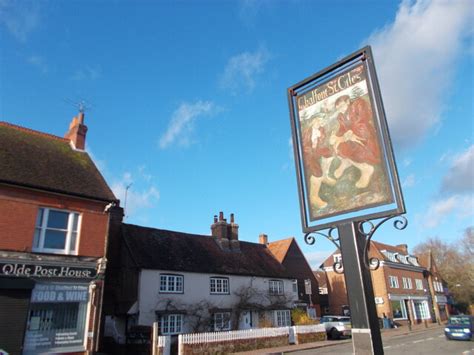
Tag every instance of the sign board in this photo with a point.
(343, 155)
(378, 300)
(307, 287)
(56, 293)
(51, 271)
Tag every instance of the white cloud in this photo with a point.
(242, 70)
(409, 181)
(38, 62)
(316, 258)
(138, 196)
(20, 18)
(87, 73)
(457, 205)
(182, 122)
(460, 177)
(415, 56)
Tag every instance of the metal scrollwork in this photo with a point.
(310, 239)
(399, 223)
(338, 267)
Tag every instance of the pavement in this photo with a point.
(400, 331)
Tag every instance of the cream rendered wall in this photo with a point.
(196, 289)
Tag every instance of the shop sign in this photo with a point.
(441, 299)
(378, 300)
(55, 271)
(44, 293)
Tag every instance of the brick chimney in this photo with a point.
(226, 234)
(263, 239)
(404, 247)
(77, 131)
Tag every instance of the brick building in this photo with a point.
(436, 286)
(401, 289)
(53, 228)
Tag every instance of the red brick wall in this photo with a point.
(337, 292)
(18, 210)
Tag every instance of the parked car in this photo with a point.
(337, 326)
(459, 327)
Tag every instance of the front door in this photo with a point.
(245, 320)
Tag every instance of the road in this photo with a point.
(431, 341)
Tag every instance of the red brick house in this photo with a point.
(435, 282)
(400, 287)
(54, 223)
(289, 254)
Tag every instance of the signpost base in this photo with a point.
(366, 338)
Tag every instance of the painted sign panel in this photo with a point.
(343, 155)
(52, 271)
(342, 159)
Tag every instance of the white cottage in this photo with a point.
(193, 283)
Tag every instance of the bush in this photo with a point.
(300, 317)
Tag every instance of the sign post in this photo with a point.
(347, 176)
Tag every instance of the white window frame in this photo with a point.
(413, 259)
(171, 324)
(219, 285)
(390, 255)
(419, 284)
(276, 287)
(221, 321)
(41, 226)
(282, 318)
(294, 284)
(407, 283)
(393, 281)
(171, 283)
(403, 309)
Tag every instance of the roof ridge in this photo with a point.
(29, 130)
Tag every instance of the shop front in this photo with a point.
(55, 304)
(414, 309)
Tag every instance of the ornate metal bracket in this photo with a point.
(310, 239)
(399, 223)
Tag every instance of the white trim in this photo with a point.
(360, 330)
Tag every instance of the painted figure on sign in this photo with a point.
(355, 141)
(321, 154)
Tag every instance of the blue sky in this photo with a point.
(188, 101)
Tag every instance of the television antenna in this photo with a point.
(82, 105)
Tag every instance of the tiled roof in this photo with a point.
(392, 248)
(42, 161)
(280, 248)
(175, 251)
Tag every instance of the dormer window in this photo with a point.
(413, 260)
(390, 255)
(56, 231)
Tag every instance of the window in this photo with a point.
(56, 231)
(419, 284)
(390, 255)
(276, 287)
(282, 318)
(438, 286)
(56, 320)
(171, 283)
(221, 321)
(398, 309)
(407, 283)
(219, 285)
(295, 286)
(171, 324)
(413, 260)
(393, 281)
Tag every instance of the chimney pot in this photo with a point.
(263, 239)
(231, 218)
(221, 216)
(215, 218)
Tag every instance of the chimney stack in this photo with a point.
(226, 234)
(404, 247)
(77, 132)
(263, 239)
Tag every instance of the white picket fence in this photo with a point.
(313, 328)
(160, 342)
(199, 338)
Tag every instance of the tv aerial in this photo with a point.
(82, 105)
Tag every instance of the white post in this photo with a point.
(154, 339)
(180, 345)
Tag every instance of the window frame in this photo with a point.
(294, 285)
(165, 319)
(419, 284)
(167, 283)
(41, 227)
(407, 284)
(282, 317)
(279, 290)
(224, 283)
(403, 309)
(393, 281)
(224, 318)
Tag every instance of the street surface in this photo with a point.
(431, 341)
